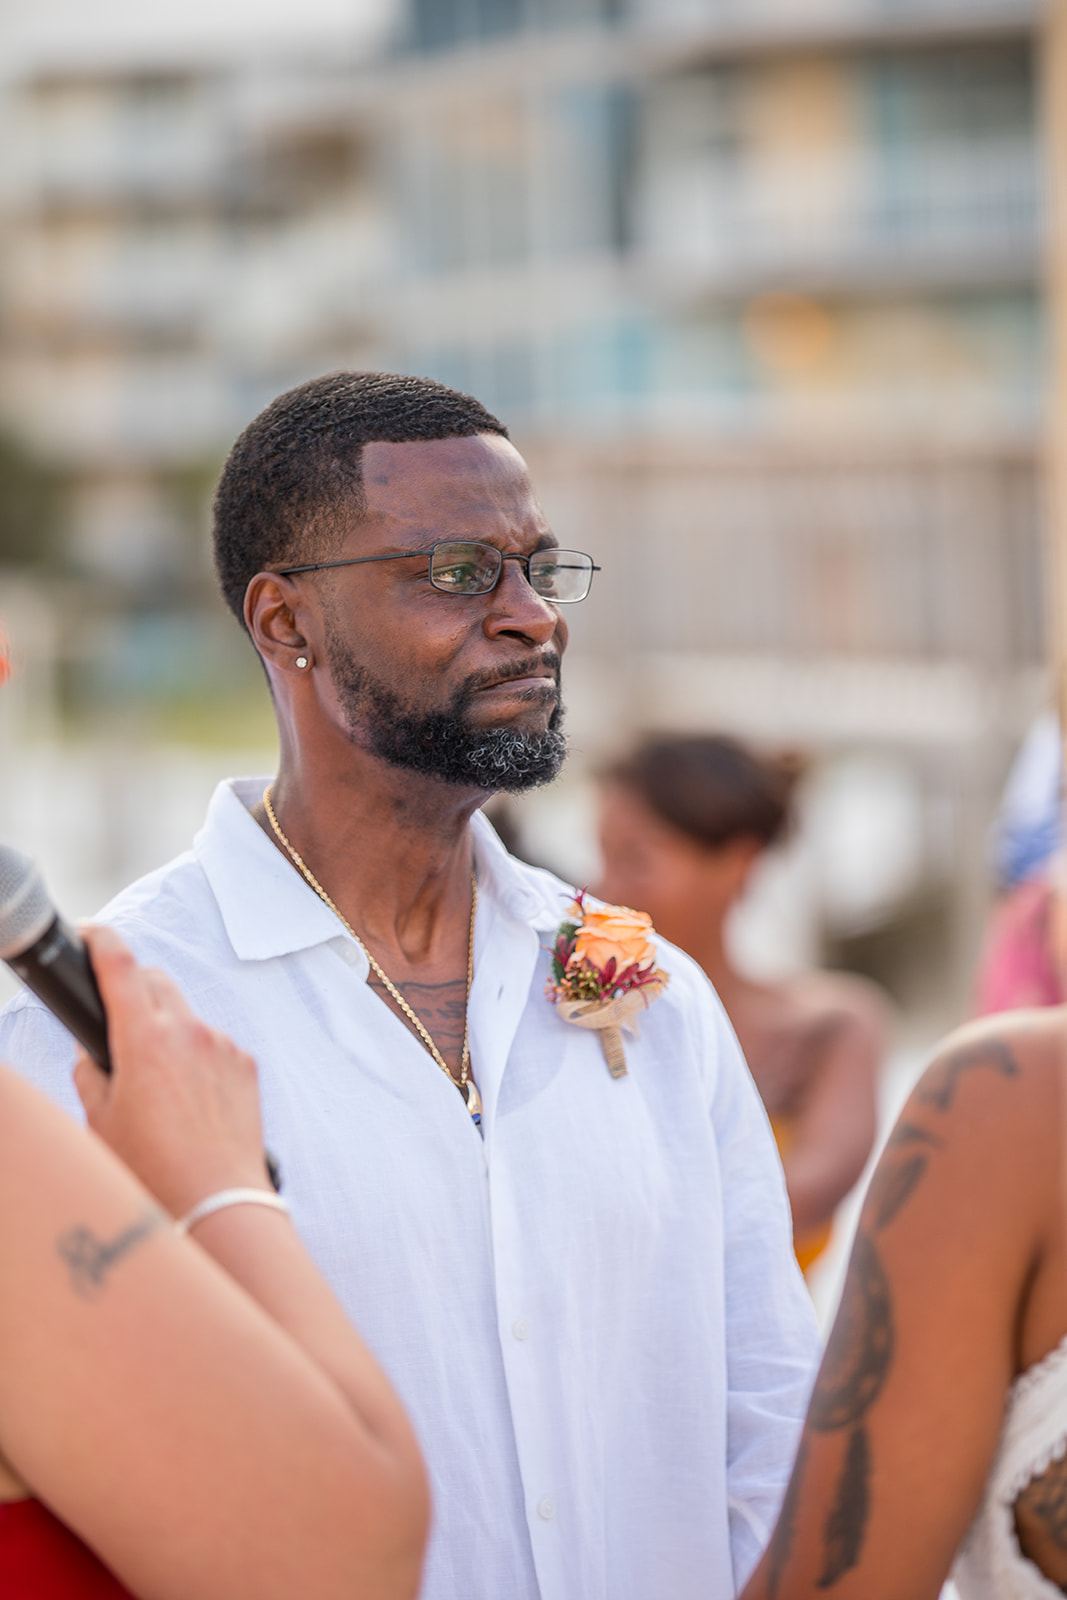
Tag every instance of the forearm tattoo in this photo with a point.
(90, 1260)
(862, 1345)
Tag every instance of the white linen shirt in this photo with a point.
(592, 1313)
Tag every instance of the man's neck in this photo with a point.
(391, 848)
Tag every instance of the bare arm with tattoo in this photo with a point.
(217, 1433)
(957, 1283)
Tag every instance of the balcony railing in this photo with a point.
(979, 213)
(792, 15)
(436, 27)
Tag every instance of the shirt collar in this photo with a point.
(269, 910)
(267, 907)
(527, 893)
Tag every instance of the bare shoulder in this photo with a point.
(847, 998)
(1015, 1061)
(976, 1152)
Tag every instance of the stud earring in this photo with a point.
(301, 662)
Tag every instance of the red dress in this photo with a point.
(40, 1559)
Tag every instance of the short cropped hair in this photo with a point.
(710, 787)
(296, 470)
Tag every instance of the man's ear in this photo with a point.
(272, 604)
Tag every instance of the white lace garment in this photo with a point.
(990, 1565)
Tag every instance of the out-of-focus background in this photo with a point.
(756, 284)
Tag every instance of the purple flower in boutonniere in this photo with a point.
(604, 973)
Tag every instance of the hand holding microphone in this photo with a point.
(183, 1109)
(182, 1106)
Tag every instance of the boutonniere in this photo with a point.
(604, 973)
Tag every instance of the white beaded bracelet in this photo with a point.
(230, 1197)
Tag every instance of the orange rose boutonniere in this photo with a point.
(604, 973)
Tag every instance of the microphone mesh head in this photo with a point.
(25, 909)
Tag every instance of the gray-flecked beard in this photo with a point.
(442, 744)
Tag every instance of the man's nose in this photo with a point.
(517, 608)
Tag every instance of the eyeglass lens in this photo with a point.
(460, 566)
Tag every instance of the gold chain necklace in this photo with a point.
(464, 1083)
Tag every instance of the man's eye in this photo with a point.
(545, 578)
(458, 574)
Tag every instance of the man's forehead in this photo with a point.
(484, 469)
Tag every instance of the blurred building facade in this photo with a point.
(755, 284)
(184, 238)
(758, 287)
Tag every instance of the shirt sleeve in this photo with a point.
(40, 1050)
(772, 1338)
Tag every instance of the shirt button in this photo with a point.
(521, 1328)
(546, 1508)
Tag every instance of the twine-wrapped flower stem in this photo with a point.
(609, 1017)
(605, 973)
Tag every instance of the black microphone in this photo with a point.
(53, 961)
(49, 956)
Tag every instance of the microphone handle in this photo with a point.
(58, 970)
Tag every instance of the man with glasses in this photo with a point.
(581, 1284)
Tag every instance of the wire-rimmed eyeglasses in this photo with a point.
(466, 566)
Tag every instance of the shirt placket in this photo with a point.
(508, 969)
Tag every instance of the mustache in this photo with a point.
(546, 664)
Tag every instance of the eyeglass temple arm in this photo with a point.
(351, 561)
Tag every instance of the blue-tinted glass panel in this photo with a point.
(603, 368)
(438, 24)
(512, 380)
(443, 24)
(495, 18)
(593, 161)
(954, 143)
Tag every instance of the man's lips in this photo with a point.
(539, 680)
(528, 677)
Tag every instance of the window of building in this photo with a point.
(444, 24)
(953, 142)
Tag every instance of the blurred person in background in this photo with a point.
(683, 823)
(197, 1409)
(936, 1437)
(1022, 961)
